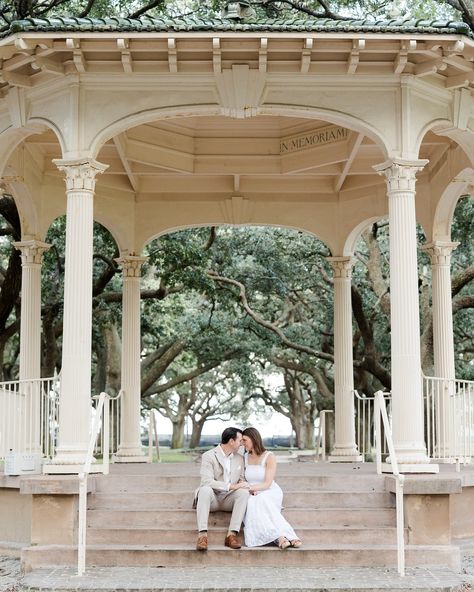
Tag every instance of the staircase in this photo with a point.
(141, 515)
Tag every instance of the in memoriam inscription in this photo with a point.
(319, 137)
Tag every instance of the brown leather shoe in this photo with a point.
(201, 544)
(232, 541)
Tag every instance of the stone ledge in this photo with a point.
(426, 484)
(46, 484)
(55, 484)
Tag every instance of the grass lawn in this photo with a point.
(185, 455)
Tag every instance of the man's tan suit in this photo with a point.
(213, 494)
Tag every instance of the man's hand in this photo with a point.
(241, 485)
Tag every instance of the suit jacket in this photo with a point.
(212, 471)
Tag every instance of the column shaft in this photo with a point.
(30, 341)
(345, 448)
(75, 397)
(443, 345)
(130, 448)
(407, 396)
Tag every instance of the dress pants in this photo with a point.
(211, 501)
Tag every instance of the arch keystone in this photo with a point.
(240, 91)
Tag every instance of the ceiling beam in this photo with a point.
(120, 142)
(354, 145)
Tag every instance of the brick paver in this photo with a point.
(243, 580)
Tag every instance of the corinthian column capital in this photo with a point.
(400, 174)
(31, 251)
(440, 252)
(80, 174)
(341, 267)
(131, 265)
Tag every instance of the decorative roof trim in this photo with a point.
(195, 24)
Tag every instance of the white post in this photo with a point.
(345, 448)
(130, 447)
(443, 339)
(30, 336)
(407, 395)
(75, 396)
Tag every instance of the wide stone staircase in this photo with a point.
(141, 515)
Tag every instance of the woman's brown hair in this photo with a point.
(254, 435)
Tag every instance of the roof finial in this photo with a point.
(394, 9)
(238, 10)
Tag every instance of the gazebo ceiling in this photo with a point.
(215, 156)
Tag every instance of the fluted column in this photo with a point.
(30, 338)
(345, 449)
(130, 447)
(407, 396)
(75, 395)
(443, 338)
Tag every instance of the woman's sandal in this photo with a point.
(283, 543)
(296, 543)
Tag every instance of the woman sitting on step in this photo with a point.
(263, 521)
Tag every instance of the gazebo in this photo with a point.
(158, 124)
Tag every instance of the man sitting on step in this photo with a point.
(223, 488)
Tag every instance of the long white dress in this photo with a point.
(263, 521)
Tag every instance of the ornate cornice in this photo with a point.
(31, 251)
(440, 252)
(341, 267)
(131, 265)
(400, 174)
(80, 174)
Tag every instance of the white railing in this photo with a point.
(364, 417)
(380, 413)
(110, 426)
(101, 420)
(29, 416)
(449, 418)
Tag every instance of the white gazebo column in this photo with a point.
(443, 340)
(30, 338)
(75, 395)
(130, 447)
(407, 395)
(345, 448)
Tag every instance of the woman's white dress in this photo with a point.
(263, 521)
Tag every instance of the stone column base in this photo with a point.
(50, 469)
(346, 458)
(131, 454)
(129, 459)
(411, 468)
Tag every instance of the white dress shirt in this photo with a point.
(227, 459)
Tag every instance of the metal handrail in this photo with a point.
(102, 406)
(381, 413)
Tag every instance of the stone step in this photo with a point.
(368, 517)
(292, 499)
(175, 536)
(155, 483)
(186, 556)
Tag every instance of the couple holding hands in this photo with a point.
(245, 486)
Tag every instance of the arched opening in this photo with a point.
(237, 325)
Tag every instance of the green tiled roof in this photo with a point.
(196, 23)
